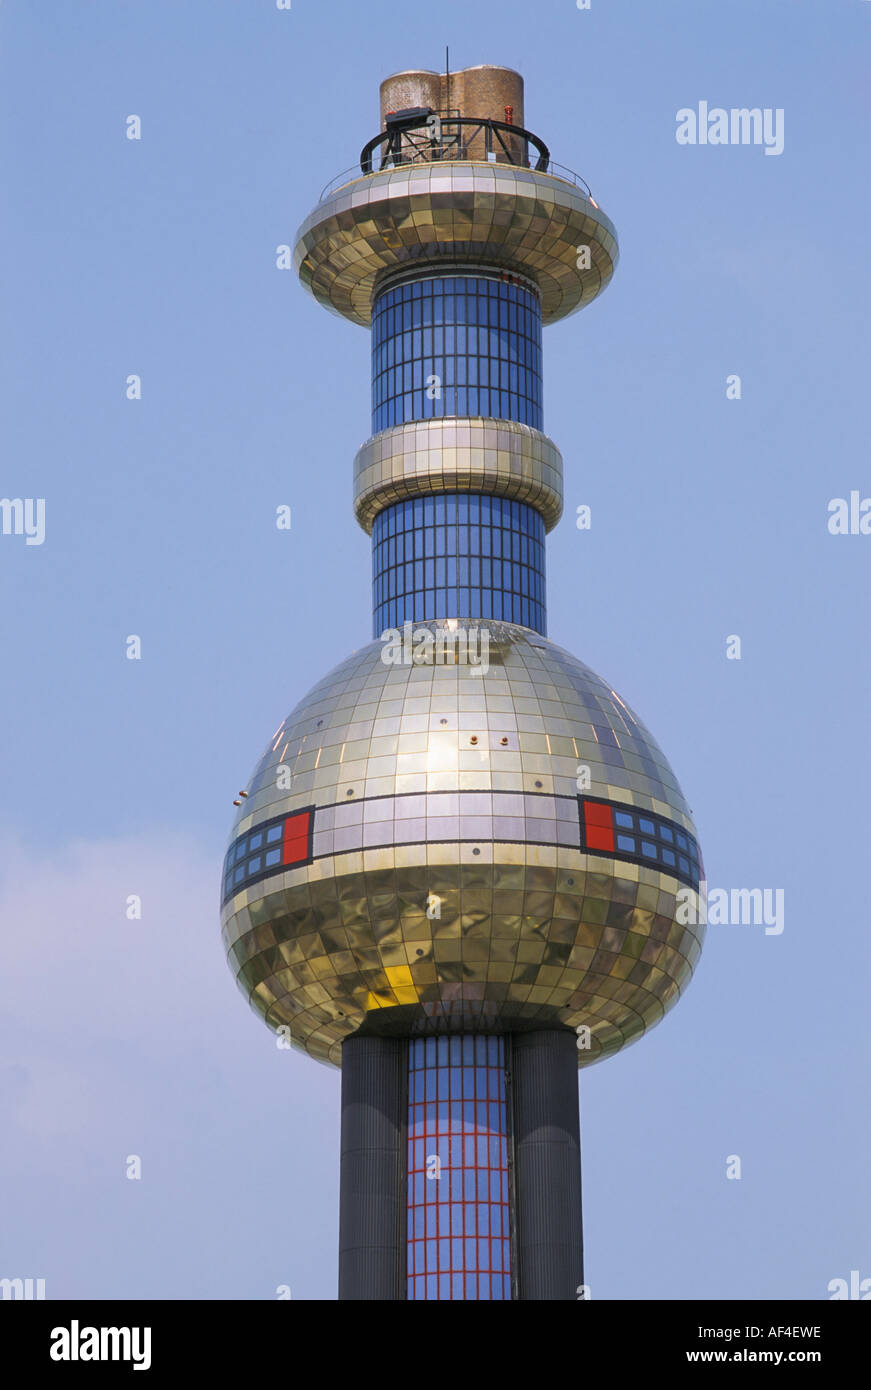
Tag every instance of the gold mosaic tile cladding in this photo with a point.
(529, 935)
(503, 458)
(497, 214)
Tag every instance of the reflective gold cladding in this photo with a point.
(528, 934)
(417, 215)
(501, 458)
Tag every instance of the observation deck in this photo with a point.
(437, 190)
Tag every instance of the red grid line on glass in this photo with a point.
(458, 1212)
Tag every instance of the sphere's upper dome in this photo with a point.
(428, 847)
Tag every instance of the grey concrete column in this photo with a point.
(372, 1195)
(547, 1157)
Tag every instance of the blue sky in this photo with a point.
(157, 257)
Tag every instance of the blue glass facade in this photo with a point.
(458, 555)
(459, 1244)
(643, 837)
(454, 345)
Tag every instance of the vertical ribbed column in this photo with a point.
(372, 1211)
(547, 1155)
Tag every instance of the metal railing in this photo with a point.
(423, 134)
(557, 171)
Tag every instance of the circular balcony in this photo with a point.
(427, 212)
(425, 457)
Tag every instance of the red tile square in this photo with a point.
(295, 844)
(597, 814)
(600, 837)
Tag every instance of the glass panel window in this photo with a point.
(457, 529)
(458, 1170)
(429, 373)
(601, 823)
